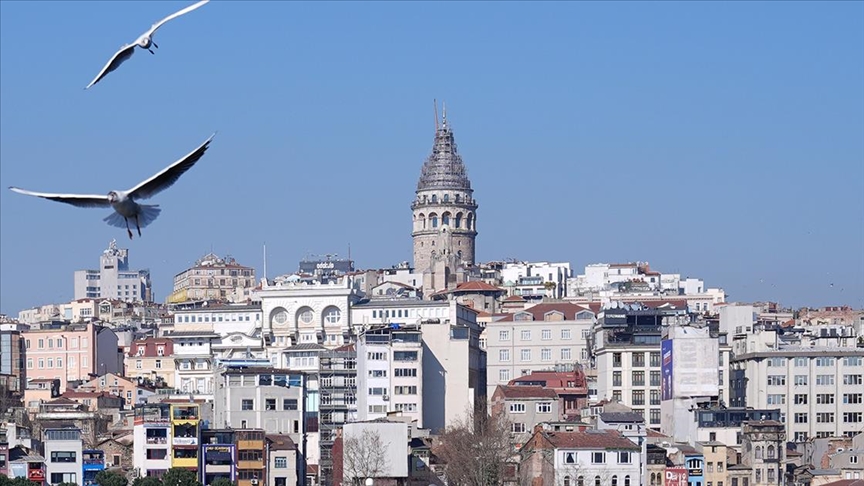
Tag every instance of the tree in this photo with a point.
(222, 482)
(363, 456)
(180, 477)
(147, 481)
(109, 478)
(68, 484)
(5, 481)
(476, 450)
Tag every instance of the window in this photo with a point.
(616, 360)
(41, 363)
(825, 361)
(545, 354)
(720, 469)
(247, 404)
(852, 379)
(853, 361)
(526, 355)
(638, 378)
(800, 418)
(544, 407)
(405, 390)
(289, 404)
(517, 408)
(638, 360)
(638, 397)
(503, 335)
(29, 363)
(654, 415)
(63, 456)
(852, 417)
(517, 428)
(623, 457)
(569, 458)
(824, 379)
(565, 334)
(526, 335)
(41, 343)
(776, 362)
(654, 359)
(376, 356)
(598, 458)
(565, 354)
(378, 373)
(546, 335)
(655, 397)
(270, 404)
(504, 355)
(801, 379)
(800, 399)
(825, 398)
(777, 380)
(57, 478)
(616, 378)
(158, 364)
(655, 378)
(280, 463)
(825, 417)
(800, 362)
(504, 375)
(852, 398)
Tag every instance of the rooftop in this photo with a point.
(526, 392)
(591, 439)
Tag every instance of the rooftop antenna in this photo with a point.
(265, 261)
(435, 102)
(444, 114)
(349, 252)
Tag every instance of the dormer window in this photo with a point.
(141, 350)
(160, 351)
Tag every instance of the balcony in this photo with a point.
(187, 462)
(157, 440)
(259, 464)
(185, 441)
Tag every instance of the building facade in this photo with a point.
(114, 279)
(72, 352)
(213, 277)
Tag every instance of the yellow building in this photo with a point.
(185, 431)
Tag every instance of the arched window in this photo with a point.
(433, 220)
(770, 452)
(580, 481)
(758, 452)
(653, 480)
(458, 198)
(332, 315)
(422, 218)
(446, 198)
(627, 480)
(445, 219)
(596, 480)
(566, 480)
(434, 198)
(458, 220)
(614, 480)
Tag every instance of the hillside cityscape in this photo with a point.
(440, 371)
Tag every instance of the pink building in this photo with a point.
(72, 352)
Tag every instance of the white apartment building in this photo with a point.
(113, 279)
(454, 366)
(193, 360)
(222, 320)
(390, 372)
(296, 312)
(626, 348)
(550, 336)
(536, 280)
(63, 456)
(816, 381)
(582, 458)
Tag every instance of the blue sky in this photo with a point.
(718, 140)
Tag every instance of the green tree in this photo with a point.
(68, 484)
(110, 478)
(147, 481)
(5, 481)
(222, 482)
(180, 477)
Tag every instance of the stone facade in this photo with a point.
(444, 222)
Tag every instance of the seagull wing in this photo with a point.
(168, 176)
(80, 200)
(174, 16)
(117, 59)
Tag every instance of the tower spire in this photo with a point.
(444, 114)
(435, 103)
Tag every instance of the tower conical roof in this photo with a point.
(444, 169)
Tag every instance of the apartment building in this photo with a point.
(213, 277)
(390, 372)
(63, 456)
(626, 347)
(71, 352)
(524, 407)
(152, 439)
(13, 371)
(151, 360)
(338, 391)
(818, 386)
(221, 319)
(113, 279)
(541, 337)
(193, 360)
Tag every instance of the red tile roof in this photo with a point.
(520, 392)
(514, 298)
(477, 286)
(591, 439)
(540, 310)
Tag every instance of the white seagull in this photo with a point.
(144, 42)
(123, 202)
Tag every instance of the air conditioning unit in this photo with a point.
(386, 398)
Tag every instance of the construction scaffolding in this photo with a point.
(444, 169)
(338, 406)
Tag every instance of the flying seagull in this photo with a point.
(144, 42)
(123, 202)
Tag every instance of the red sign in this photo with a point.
(36, 475)
(676, 476)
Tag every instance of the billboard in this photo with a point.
(676, 476)
(666, 388)
(315, 267)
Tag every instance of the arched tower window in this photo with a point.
(434, 198)
(445, 219)
(469, 221)
(433, 220)
(446, 198)
(421, 221)
(458, 220)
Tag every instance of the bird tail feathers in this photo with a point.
(149, 213)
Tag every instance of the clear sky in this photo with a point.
(718, 140)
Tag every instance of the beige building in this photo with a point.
(151, 360)
(715, 456)
(213, 277)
